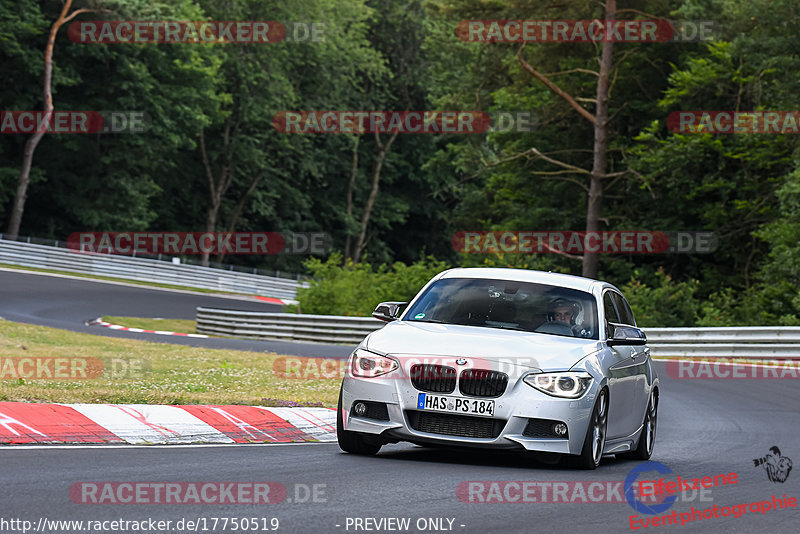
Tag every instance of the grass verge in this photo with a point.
(136, 371)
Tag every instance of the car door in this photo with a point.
(640, 356)
(622, 378)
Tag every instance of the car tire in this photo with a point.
(647, 437)
(595, 439)
(354, 442)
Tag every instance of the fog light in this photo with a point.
(560, 429)
(360, 408)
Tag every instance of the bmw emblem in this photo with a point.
(461, 361)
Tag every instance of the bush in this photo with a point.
(667, 304)
(355, 290)
(675, 304)
(764, 305)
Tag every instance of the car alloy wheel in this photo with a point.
(650, 425)
(599, 423)
(595, 439)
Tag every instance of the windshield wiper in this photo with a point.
(509, 328)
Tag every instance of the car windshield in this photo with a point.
(509, 305)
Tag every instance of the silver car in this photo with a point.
(504, 359)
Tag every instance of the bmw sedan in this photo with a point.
(504, 359)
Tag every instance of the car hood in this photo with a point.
(527, 349)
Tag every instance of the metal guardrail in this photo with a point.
(742, 341)
(185, 260)
(286, 326)
(728, 334)
(145, 270)
(738, 341)
(727, 350)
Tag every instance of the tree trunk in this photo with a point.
(211, 225)
(373, 194)
(594, 204)
(237, 211)
(348, 253)
(216, 187)
(15, 219)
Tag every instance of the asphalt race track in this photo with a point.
(705, 428)
(64, 302)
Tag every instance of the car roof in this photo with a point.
(526, 275)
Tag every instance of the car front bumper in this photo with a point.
(513, 412)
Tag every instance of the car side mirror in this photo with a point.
(388, 311)
(625, 335)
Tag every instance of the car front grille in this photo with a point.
(433, 378)
(482, 383)
(455, 425)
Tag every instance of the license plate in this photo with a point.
(441, 403)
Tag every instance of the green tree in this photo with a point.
(107, 181)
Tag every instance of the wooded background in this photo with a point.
(213, 161)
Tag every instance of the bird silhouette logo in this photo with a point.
(778, 467)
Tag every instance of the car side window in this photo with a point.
(629, 311)
(611, 315)
(624, 309)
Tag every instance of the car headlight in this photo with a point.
(568, 384)
(369, 365)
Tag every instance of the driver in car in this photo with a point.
(562, 311)
(565, 311)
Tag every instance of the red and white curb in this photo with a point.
(138, 424)
(273, 300)
(101, 322)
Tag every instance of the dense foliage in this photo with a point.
(212, 108)
(352, 289)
